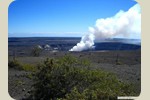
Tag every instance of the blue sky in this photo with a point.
(71, 18)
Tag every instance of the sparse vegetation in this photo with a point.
(36, 51)
(19, 66)
(19, 82)
(15, 64)
(68, 78)
(30, 76)
(119, 62)
(29, 67)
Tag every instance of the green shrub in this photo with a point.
(29, 67)
(15, 64)
(36, 51)
(63, 79)
(30, 76)
(20, 66)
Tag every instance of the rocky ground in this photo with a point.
(125, 64)
(20, 84)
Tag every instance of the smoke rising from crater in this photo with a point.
(124, 24)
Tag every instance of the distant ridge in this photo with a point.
(65, 43)
(116, 46)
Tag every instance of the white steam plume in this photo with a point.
(123, 24)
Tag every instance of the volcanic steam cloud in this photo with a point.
(122, 24)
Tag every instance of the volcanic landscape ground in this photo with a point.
(128, 70)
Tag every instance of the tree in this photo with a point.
(36, 51)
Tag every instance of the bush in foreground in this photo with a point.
(19, 66)
(71, 79)
(15, 64)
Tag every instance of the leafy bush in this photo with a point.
(15, 64)
(29, 67)
(36, 51)
(63, 79)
